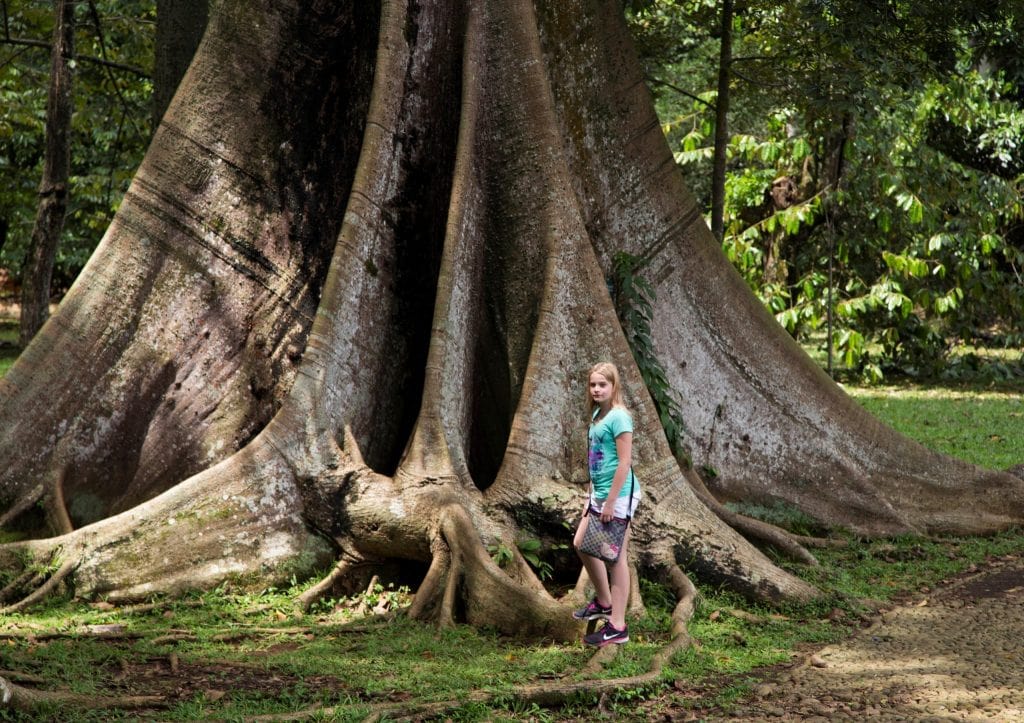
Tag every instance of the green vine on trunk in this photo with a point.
(633, 296)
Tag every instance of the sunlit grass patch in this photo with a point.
(975, 423)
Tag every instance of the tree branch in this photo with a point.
(29, 43)
(677, 89)
(113, 81)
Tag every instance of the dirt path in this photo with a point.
(957, 655)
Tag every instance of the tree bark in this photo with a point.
(347, 307)
(53, 188)
(180, 338)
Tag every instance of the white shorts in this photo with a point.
(625, 506)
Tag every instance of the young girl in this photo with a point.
(614, 492)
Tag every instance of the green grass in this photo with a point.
(9, 349)
(976, 423)
(246, 655)
(233, 665)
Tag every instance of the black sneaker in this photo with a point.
(607, 635)
(593, 610)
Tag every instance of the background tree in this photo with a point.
(53, 188)
(339, 315)
(109, 128)
(923, 263)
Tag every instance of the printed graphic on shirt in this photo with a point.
(596, 456)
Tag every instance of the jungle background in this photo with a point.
(869, 190)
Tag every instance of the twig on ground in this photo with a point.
(21, 677)
(17, 697)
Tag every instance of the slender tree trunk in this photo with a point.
(179, 28)
(721, 124)
(53, 189)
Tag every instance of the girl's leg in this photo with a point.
(596, 568)
(619, 573)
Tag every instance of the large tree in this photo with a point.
(345, 310)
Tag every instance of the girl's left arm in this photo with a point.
(624, 451)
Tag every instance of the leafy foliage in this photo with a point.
(873, 168)
(633, 296)
(111, 124)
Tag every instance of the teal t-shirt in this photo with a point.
(603, 456)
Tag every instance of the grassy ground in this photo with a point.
(8, 342)
(975, 422)
(230, 656)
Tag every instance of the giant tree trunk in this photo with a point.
(351, 298)
(37, 271)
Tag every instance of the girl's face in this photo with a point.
(600, 389)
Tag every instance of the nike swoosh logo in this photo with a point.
(606, 636)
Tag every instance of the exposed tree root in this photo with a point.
(463, 583)
(143, 608)
(751, 528)
(599, 659)
(548, 694)
(45, 589)
(27, 579)
(319, 591)
(25, 699)
(104, 632)
(431, 583)
(58, 508)
(17, 675)
(822, 542)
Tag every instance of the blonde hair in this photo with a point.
(610, 372)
